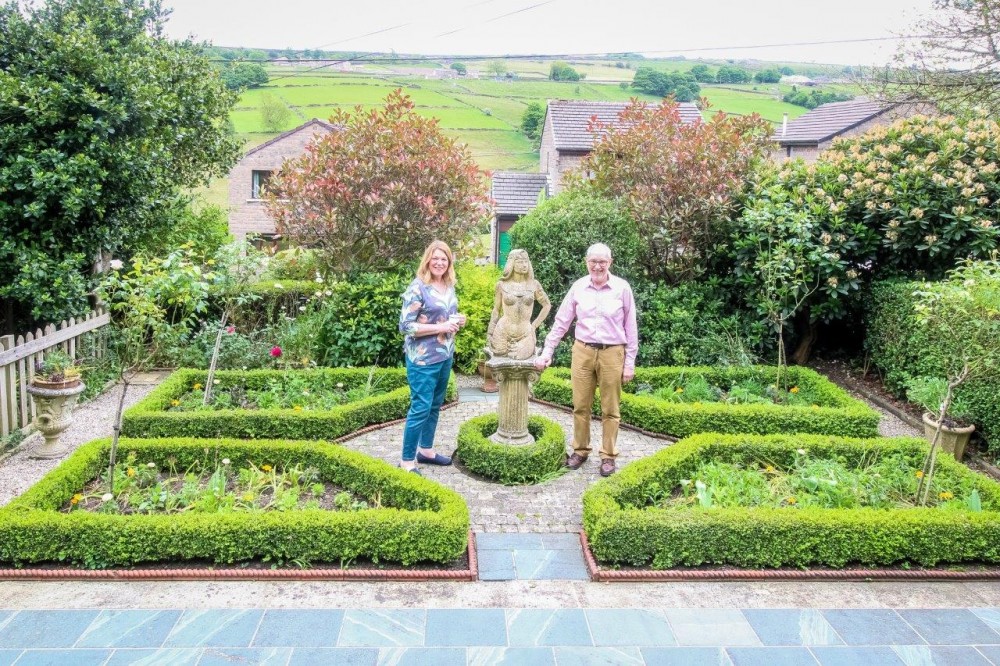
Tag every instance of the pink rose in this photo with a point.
(230, 329)
(276, 352)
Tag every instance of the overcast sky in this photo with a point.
(493, 27)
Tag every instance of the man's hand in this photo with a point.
(627, 375)
(542, 363)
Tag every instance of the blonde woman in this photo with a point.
(430, 320)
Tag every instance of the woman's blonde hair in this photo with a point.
(424, 272)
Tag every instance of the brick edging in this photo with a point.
(599, 575)
(207, 574)
(621, 426)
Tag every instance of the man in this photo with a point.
(607, 341)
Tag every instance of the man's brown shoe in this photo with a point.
(575, 461)
(607, 467)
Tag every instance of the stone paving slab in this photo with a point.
(530, 557)
(500, 635)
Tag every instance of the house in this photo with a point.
(566, 140)
(248, 215)
(515, 194)
(812, 133)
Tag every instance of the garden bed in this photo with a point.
(509, 464)
(287, 404)
(657, 511)
(405, 519)
(813, 404)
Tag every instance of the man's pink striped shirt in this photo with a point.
(604, 315)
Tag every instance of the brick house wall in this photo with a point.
(248, 215)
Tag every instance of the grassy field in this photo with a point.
(482, 113)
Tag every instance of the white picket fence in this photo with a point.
(18, 356)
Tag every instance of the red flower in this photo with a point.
(275, 352)
(230, 329)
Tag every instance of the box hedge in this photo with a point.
(903, 349)
(619, 533)
(150, 418)
(506, 463)
(836, 413)
(427, 522)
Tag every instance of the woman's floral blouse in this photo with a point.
(422, 304)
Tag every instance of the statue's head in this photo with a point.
(518, 265)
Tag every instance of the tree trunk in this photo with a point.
(807, 331)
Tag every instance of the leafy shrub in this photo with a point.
(774, 537)
(834, 413)
(557, 233)
(152, 417)
(814, 98)
(530, 463)
(904, 349)
(278, 298)
(206, 228)
(475, 290)
(295, 263)
(430, 522)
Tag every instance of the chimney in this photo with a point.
(784, 124)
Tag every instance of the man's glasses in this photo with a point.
(597, 262)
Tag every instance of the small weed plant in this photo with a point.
(145, 488)
(889, 482)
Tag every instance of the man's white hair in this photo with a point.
(598, 250)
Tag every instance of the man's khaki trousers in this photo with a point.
(593, 368)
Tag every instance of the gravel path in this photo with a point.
(90, 421)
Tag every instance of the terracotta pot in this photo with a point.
(952, 440)
(72, 382)
(489, 381)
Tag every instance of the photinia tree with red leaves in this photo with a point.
(374, 192)
(679, 181)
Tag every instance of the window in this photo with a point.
(258, 181)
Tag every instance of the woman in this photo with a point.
(430, 320)
(512, 334)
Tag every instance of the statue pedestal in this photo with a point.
(514, 378)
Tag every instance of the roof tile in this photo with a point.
(571, 118)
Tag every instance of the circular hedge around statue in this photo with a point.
(507, 463)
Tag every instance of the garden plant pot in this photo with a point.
(489, 381)
(53, 409)
(952, 440)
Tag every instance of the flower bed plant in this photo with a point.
(726, 400)
(291, 404)
(383, 514)
(791, 500)
(512, 464)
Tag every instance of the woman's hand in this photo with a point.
(449, 327)
(462, 320)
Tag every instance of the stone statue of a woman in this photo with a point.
(511, 333)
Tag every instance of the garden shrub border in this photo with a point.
(765, 537)
(512, 464)
(431, 523)
(842, 414)
(149, 418)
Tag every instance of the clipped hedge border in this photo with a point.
(150, 418)
(429, 522)
(838, 414)
(767, 537)
(512, 464)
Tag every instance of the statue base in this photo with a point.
(514, 377)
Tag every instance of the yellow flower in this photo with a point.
(794, 389)
(791, 500)
(946, 495)
(297, 408)
(197, 387)
(920, 474)
(130, 472)
(76, 499)
(266, 468)
(678, 390)
(815, 406)
(175, 403)
(769, 469)
(248, 497)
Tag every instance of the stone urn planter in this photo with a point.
(54, 403)
(952, 439)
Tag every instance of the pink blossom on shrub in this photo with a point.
(276, 352)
